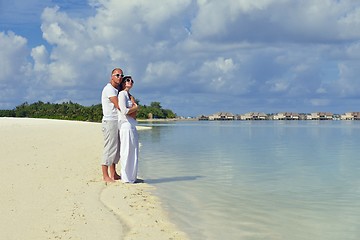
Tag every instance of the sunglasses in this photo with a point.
(118, 75)
(129, 80)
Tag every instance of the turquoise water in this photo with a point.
(291, 180)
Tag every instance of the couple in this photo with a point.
(119, 129)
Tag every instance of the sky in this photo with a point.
(194, 57)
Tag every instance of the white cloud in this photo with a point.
(353, 50)
(320, 102)
(251, 51)
(348, 84)
(162, 72)
(274, 20)
(219, 66)
(214, 17)
(41, 58)
(13, 68)
(280, 85)
(13, 56)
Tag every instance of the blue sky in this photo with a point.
(194, 57)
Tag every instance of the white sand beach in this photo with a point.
(52, 188)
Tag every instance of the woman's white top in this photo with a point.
(124, 104)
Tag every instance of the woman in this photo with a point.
(129, 141)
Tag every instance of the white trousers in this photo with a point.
(129, 150)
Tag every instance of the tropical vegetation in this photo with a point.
(75, 111)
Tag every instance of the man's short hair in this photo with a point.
(116, 69)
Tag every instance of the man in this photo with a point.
(109, 102)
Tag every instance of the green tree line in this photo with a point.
(75, 111)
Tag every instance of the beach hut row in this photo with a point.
(281, 116)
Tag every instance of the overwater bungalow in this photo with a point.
(254, 116)
(320, 116)
(286, 116)
(350, 116)
(222, 116)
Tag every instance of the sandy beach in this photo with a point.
(52, 188)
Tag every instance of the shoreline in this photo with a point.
(52, 187)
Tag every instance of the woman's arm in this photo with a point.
(133, 114)
(122, 104)
(133, 109)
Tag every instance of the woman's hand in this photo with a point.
(133, 110)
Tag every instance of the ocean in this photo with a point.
(252, 180)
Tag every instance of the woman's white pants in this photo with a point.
(129, 151)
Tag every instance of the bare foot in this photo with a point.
(117, 176)
(108, 179)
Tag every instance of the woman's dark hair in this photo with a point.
(121, 85)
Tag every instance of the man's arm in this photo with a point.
(115, 101)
